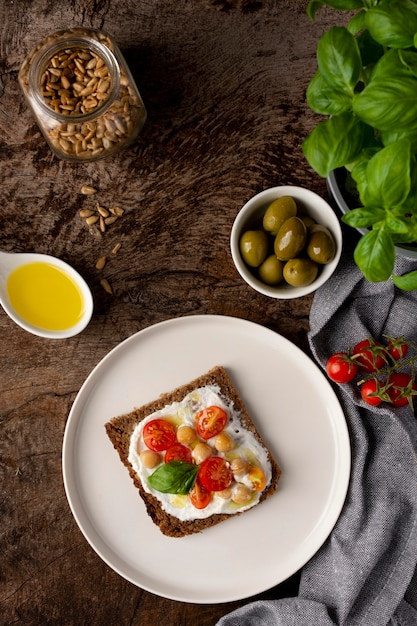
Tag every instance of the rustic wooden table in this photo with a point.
(224, 85)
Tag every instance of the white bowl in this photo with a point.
(307, 201)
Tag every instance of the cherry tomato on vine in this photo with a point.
(215, 474)
(370, 391)
(159, 434)
(178, 452)
(210, 422)
(370, 355)
(401, 388)
(397, 348)
(340, 368)
(199, 496)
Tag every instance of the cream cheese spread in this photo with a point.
(246, 446)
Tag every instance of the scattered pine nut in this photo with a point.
(106, 286)
(101, 262)
(116, 248)
(88, 190)
(102, 224)
(86, 212)
(116, 210)
(104, 212)
(110, 220)
(91, 220)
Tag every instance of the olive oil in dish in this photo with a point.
(45, 296)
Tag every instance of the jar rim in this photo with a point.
(63, 42)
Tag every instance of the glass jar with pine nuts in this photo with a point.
(82, 94)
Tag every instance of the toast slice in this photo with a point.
(120, 430)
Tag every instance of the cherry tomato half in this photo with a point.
(215, 474)
(199, 496)
(340, 368)
(370, 355)
(210, 422)
(257, 477)
(401, 388)
(159, 434)
(369, 392)
(178, 452)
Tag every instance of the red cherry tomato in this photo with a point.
(178, 452)
(340, 368)
(370, 391)
(401, 388)
(199, 496)
(159, 434)
(370, 355)
(397, 348)
(210, 422)
(215, 474)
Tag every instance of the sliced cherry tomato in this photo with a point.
(370, 355)
(159, 434)
(215, 474)
(199, 496)
(401, 388)
(397, 348)
(178, 452)
(371, 392)
(210, 422)
(257, 477)
(340, 368)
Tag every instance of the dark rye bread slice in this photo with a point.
(119, 429)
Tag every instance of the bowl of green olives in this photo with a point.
(286, 242)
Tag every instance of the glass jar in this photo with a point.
(82, 94)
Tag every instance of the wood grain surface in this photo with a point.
(224, 85)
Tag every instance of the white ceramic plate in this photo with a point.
(294, 408)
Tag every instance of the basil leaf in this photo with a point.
(174, 477)
(393, 24)
(388, 102)
(339, 59)
(324, 99)
(407, 282)
(375, 255)
(396, 224)
(312, 8)
(388, 176)
(334, 142)
(363, 218)
(344, 4)
(315, 5)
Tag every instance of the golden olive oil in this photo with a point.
(45, 296)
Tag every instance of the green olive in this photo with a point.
(291, 239)
(308, 221)
(254, 247)
(278, 212)
(300, 272)
(270, 271)
(321, 246)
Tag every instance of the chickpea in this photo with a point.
(241, 494)
(239, 466)
(186, 434)
(223, 442)
(225, 493)
(150, 458)
(201, 452)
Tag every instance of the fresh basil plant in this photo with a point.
(366, 86)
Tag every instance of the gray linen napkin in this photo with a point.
(365, 573)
